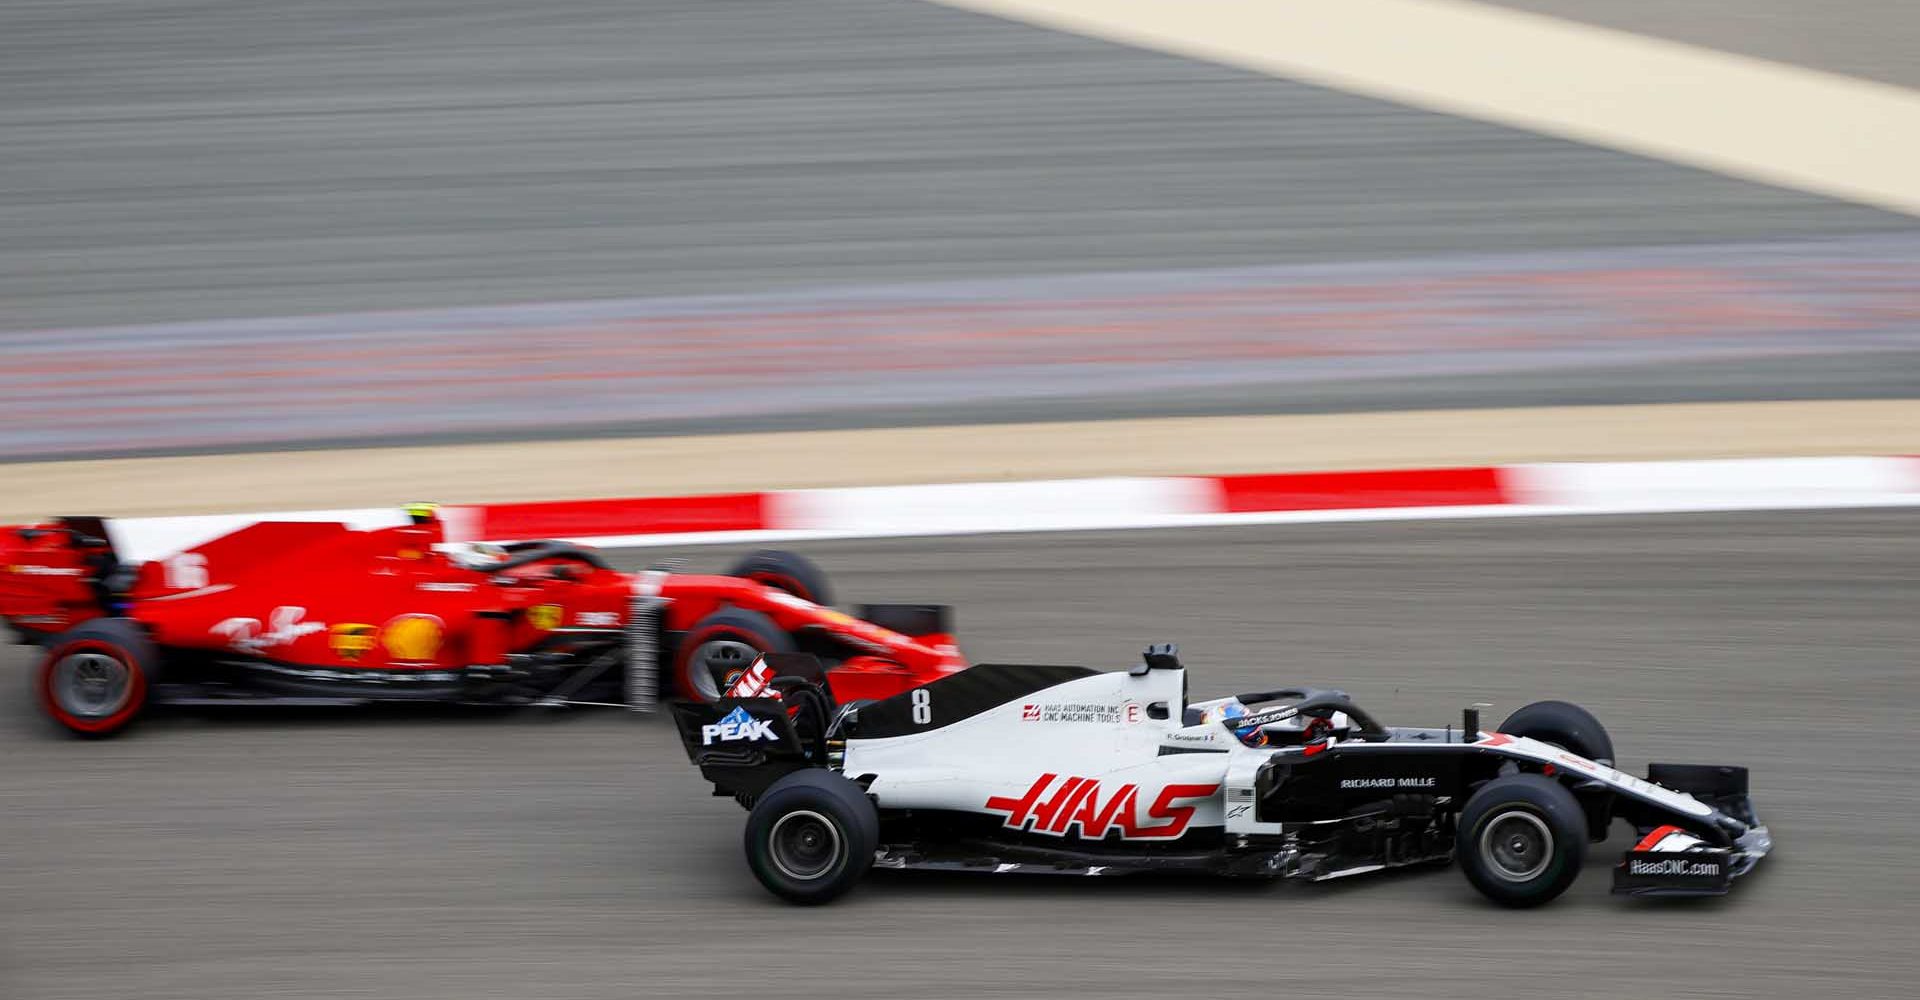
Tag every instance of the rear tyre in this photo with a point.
(788, 571)
(720, 646)
(1521, 840)
(94, 678)
(1565, 725)
(811, 836)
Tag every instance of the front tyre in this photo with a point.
(788, 571)
(1565, 725)
(1521, 840)
(811, 836)
(723, 645)
(94, 678)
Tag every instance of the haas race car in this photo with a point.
(321, 614)
(1059, 769)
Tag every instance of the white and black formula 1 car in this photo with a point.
(1060, 769)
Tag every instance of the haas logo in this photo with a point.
(1079, 802)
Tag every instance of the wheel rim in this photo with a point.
(1517, 846)
(805, 845)
(718, 658)
(92, 685)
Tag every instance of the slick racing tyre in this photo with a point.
(811, 836)
(1565, 725)
(1521, 839)
(788, 571)
(722, 645)
(94, 678)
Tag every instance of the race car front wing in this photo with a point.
(1669, 861)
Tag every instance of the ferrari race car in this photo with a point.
(321, 614)
(1060, 769)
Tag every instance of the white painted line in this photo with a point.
(1763, 121)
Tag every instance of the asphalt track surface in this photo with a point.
(461, 856)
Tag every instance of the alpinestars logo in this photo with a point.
(737, 725)
(1079, 802)
(1673, 866)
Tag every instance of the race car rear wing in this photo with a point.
(742, 745)
(775, 719)
(57, 574)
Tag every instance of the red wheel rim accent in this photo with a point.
(136, 686)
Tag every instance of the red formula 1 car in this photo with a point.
(319, 613)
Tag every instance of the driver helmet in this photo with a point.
(1252, 736)
(481, 556)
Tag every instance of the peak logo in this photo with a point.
(1080, 802)
(737, 725)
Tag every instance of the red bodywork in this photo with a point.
(346, 602)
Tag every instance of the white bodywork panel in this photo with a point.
(1085, 753)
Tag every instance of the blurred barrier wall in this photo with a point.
(1133, 502)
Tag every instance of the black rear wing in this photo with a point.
(89, 532)
(742, 745)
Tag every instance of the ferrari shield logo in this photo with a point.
(545, 617)
(352, 640)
